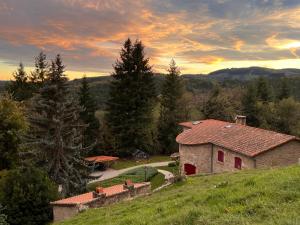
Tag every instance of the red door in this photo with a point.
(189, 169)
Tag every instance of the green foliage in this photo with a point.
(260, 197)
(20, 87)
(218, 106)
(284, 89)
(264, 91)
(56, 132)
(3, 217)
(131, 102)
(171, 112)
(287, 115)
(12, 126)
(249, 105)
(27, 194)
(87, 115)
(40, 72)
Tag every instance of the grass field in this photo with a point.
(267, 197)
(136, 175)
(125, 163)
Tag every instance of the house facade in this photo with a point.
(213, 146)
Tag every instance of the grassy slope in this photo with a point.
(249, 197)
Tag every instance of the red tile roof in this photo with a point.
(101, 158)
(243, 139)
(87, 197)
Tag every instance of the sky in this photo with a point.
(201, 35)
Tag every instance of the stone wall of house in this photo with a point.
(228, 164)
(200, 156)
(197, 155)
(284, 155)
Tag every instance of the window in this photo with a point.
(237, 163)
(220, 156)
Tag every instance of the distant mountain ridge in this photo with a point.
(250, 73)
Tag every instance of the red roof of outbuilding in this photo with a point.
(101, 158)
(87, 197)
(246, 140)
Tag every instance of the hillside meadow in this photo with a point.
(260, 197)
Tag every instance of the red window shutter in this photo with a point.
(237, 162)
(220, 156)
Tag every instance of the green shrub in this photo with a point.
(26, 194)
(172, 164)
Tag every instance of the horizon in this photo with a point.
(202, 36)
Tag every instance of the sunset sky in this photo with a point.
(201, 35)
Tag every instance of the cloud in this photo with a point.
(200, 35)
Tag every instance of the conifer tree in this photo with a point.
(56, 132)
(131, 102)
(41, 69)
(218, 106)
(249, 105)
(170, 110)
(264, 91)
(19, 87)
(87, 114)
(284, 91)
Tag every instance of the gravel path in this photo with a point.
(111, 173)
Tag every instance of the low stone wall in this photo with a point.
(64, 211)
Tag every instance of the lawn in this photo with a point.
(258, 197)
(125, 163)
(136, 175)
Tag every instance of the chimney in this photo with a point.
(99, 190)
(239, 119)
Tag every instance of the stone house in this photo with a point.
(213, 146)
(69, 207)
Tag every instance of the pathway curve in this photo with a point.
(111, 173)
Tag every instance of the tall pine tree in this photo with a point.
(170, 110)
(249, 105)
(38, 76)
(130, 106)
(56, 132)
(20, 87)
(218, 106)
(263, 90)
(87, 114)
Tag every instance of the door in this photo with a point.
(189, 169)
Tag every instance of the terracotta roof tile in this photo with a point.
(87, 197)
(247, 140)
(101, 158)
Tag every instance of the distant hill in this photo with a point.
(198, 83)
(252, 73)
(3, 85)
